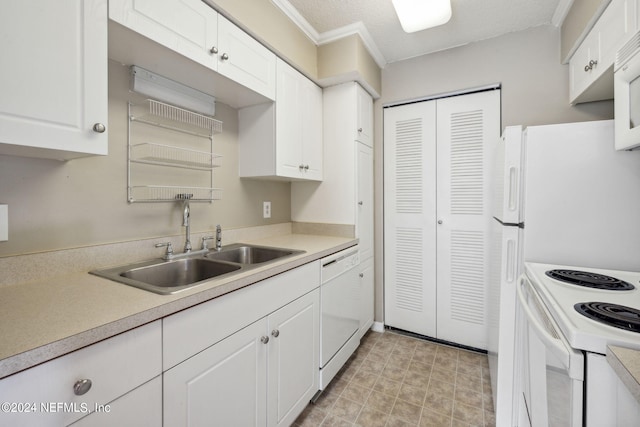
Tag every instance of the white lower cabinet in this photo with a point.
(264, 374)
(63, 390)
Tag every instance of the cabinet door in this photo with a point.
(188, 27)
(465, 127)
(226, 383)
(310, 102)
(289, 161)
(366, 296)
(293, 358)
(244, 60)
(364, 196)
(364, 130)
(54, 79)
(581, 74)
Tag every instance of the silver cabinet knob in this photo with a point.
(361, 275)
(275, 333)
(360, 202)
(99, 127)
(81, 387)
(264, 339)
(439, 221)
(359, 130)
(301, 167)
(224, 57)
(306, 167)
(213, 50)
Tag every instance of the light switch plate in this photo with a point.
(4, 223)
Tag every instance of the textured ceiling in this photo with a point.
(471, 20)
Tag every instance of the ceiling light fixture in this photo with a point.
(417, 15)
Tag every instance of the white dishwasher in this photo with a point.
(339, 311)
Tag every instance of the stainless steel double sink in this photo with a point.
(170, 276)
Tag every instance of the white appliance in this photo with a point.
(626, 83)
(339, 311)
(568, 317)
(564, 196)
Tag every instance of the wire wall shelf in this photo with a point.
(199, 161)
(167, 155)
(178, 119)
(160, 193)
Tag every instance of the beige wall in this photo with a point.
(348, 59)
(55, 205)
(535, 90)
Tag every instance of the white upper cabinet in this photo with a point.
(186, 26)
(284, 140)
(54, 78)
(196, 32)
(591, 66)
(244, 60)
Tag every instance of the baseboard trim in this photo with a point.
(377, 327)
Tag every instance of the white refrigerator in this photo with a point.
(561, 195)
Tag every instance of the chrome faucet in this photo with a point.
(186, 219)
(218, 237)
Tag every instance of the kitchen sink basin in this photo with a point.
(170, 276)
(250, 254)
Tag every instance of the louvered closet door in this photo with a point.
(465, 126)
(409, 217)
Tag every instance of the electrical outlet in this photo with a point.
(266, 209)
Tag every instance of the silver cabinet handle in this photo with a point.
(306, 167)
(360, 202)
(361, 275)
(224, 57)
(264, 339)
(359, 130)
(590, 65)
(439, 221)
(301, 167)
(213, 50)
(81, 387)
(99, 128)
(275, 333)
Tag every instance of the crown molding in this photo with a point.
(561, 12)
(333, 35)
(293, 14)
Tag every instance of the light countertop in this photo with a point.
(44, 319)
(626, 364)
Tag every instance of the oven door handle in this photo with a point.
(549, 337)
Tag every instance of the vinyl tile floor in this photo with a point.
(397, 380)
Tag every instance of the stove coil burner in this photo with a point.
(590, 280)
(619, 316)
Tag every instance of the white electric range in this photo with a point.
(564, 329)
(566, 286)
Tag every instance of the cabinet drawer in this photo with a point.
(114, 367)
(192, 330)
(141, 407)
